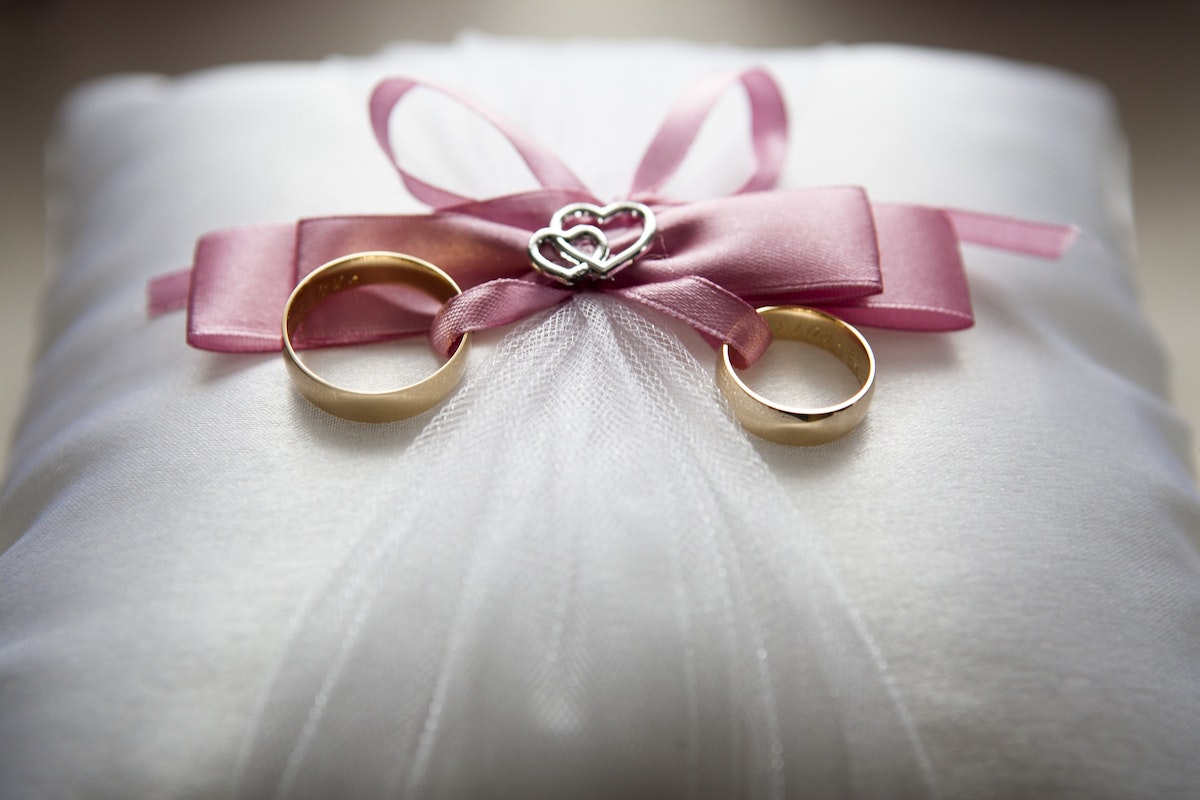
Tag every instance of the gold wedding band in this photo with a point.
(803, 426)
(363, 269)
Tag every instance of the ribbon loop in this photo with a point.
(768, 132)
(549, 171)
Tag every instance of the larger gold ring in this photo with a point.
(803, 426)
(362, 269)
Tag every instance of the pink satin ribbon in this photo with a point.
(711, 263)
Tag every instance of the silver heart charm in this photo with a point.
(582, 224)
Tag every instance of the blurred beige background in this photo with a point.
(1147, 52)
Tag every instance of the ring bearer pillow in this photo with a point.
(578, 576)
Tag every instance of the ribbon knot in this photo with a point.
(708, 263)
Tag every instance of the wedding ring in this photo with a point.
(363, 269)
(803, 426)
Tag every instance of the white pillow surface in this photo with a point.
(578, 577)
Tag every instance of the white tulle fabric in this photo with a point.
(616, 651)
(579, 578)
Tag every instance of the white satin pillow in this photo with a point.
(579, 578)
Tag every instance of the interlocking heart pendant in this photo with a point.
(576, 243)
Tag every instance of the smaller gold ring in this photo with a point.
(803, 426)
(363, 269)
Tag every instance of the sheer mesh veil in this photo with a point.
(600, 571)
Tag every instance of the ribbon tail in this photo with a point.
(718, 315)
(925, 283)
(490, 305)
(1039, 239)
(169, 292)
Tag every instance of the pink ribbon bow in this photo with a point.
(709, 265)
